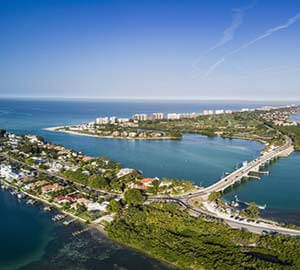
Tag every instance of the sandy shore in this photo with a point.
(61, 129)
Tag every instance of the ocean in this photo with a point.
(33, 241)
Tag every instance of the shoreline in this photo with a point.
(97, 227)
(58, 129)
(57, 208)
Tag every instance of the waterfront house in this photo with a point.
(9, 173)
(51, 188)
(95, 206)
(124, 172)
(65, 199)
(146, 181)
(81, 201)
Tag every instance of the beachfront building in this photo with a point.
(219, 112)
(124, 172)
(188, 115)
(123, 120)
(157, 116)
(9, 173)
(208, 112)
(173, 116)
(228, 111)
(245, 110)
(95, 206)
(112, 120)
(51, 188)
(140, 117)
(102, 120)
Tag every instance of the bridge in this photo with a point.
(229, 180)
(244, 171)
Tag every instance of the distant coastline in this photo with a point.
(63, 130)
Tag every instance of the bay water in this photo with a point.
(32, 241)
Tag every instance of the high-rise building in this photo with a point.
(140, 117)
(173, 116)
(157, 116)
(102, 120)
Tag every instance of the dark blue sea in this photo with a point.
(33, 242)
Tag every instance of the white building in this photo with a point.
(173, 116)
(157, 116)
(219, 112)
(98, 206)
(245, 110)
(102, 120)
(140, 117)
(112, 119)
(124, 172)
(208, 112)
(228, 111)
(32, 138)
(7, 172)
(123, 120)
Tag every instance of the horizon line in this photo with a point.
(93, 98)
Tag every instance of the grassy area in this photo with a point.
(166, 233)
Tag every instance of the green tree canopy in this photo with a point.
(134, 197)
(252, 210)
(214, 196)
(97, 182)
(114, 206)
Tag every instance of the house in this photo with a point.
(51, 188)
(9, 173)
(146, 181)
(132, 134)
(124, 172)
(40, 184)
(87, 158)
(95, 206)
(81, 201)
(65, 199)
(142, 184)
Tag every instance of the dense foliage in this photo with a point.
(133, 197)
(294, 133)
(236, 125)
(165, 232)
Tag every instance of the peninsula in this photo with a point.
(169, 219)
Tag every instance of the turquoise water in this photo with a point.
(198, 158)
(24, 232)
(279, 190)
(31, 241)
(29, 235)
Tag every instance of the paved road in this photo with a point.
(237, 175)
(184, 200)
(60, 178)
(237, 224)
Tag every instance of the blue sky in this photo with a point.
(209, 49)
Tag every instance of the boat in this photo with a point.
(58, 217)
(20, 196)
(234, 204)
(47, 208)
(31, 201)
